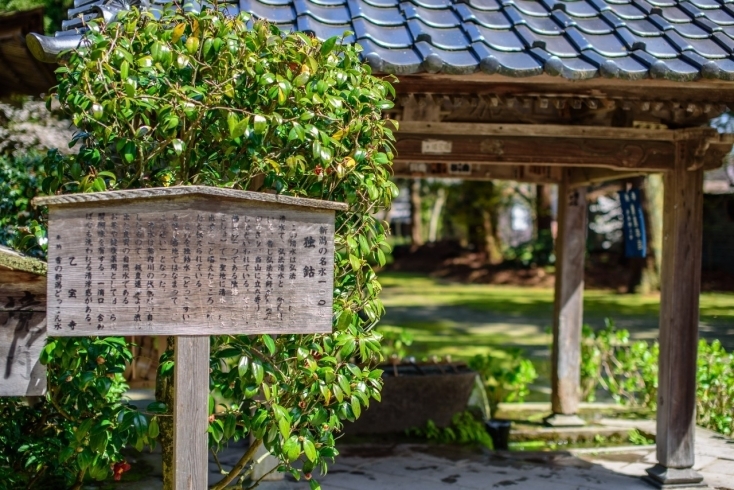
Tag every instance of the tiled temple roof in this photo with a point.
(627, 39)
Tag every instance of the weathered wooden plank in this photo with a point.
(187, 191)
(188, 265)
(679, 314)
(707, 91)
(478, 171)
(653, 156)
(22, 324)
(22, 338)
(583, 177)
(568, 301)
(190, 423)
(439, 129)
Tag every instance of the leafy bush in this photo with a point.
(715, 388)
(201, 98)
(628, 371)
(465, 428)
(395, 342)
(82, 424)
(506, 378)
(19, 183)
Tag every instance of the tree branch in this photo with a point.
(238, 467)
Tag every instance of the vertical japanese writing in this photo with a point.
(175, 256)
(187, 274)
(100, 279)
(126, 259)
(114, 266)
(88, 253)
(58, 288)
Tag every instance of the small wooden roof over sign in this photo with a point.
(22, 324)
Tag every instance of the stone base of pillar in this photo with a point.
(674, 478)
(561, 420)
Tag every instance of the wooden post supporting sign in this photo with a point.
(568, 305)
(189, 262)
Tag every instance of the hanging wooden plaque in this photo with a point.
(189, 261)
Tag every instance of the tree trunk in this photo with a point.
(653, 209)
(416, 228)
(543, 211)
(164, 393)
(645, 273)
(436, 214)
(492, 245)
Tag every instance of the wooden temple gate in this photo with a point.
(574, 135)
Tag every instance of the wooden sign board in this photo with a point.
(22, 324)
(189, 261)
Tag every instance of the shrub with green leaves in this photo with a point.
(628, 371)
(507, 376)
(80, 427)
(203, 98)
(20, 179)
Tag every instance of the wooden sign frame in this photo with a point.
(254, 262)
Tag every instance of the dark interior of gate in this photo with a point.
(571, 93)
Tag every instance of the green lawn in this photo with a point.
(463, 320)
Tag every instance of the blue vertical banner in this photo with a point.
(635, 237)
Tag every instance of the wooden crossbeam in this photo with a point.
(476, 171)
(640, 150)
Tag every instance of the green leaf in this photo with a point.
(269, 343)
(257, 371)
(260, 124)
(356, 408)
(309, 449)
(328, 45)
(230, 425)
(178, 146)
(153, 429)
(292, 448)
(285, 427)
(243, 365)
(314, 485)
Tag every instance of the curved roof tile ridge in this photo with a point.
(575, 39)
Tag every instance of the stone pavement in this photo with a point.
(381, 466)
(435, 467)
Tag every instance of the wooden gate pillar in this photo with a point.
(680, 287)
(568, 304)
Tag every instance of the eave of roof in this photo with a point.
(582, 39)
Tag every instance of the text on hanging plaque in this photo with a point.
(189, 261)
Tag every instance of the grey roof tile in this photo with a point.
(574, 39)
(306, 23)
(544, 25)
(581, 10)
(528, 7)
(629, 12)
(505, 41)
(440, 17)
(675, 14)
(452, 38)
(277, 15)
(383, 3)
(485, 4)
(385, 36)
(338, 14)
(432, 4)
(387, 16)
(487, 18)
